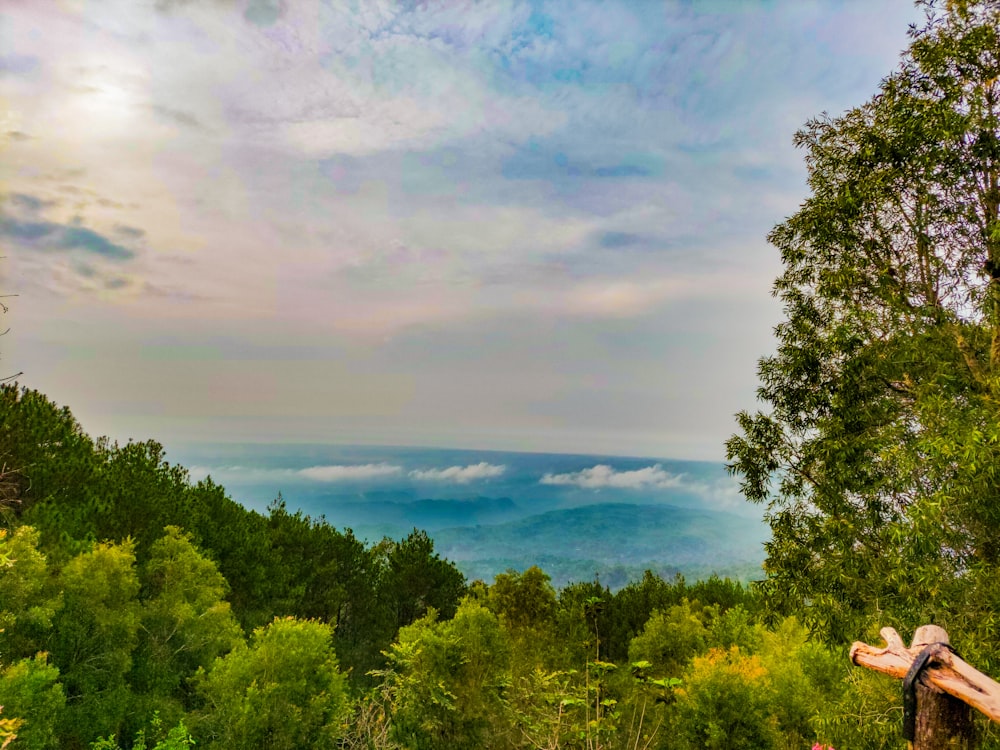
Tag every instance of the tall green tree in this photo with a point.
(669, 639)
(448, 680)
(238, 541)
(415, 579)
(29, 598)
(523, 601)
(185, 625)
(28, 686)
(30, 689)
(878, 447)
(137, 493)
(525, 604)
(45, 456)
(93, 637)
(282, 691)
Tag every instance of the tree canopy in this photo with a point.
(878, 447)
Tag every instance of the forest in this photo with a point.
(140, 609)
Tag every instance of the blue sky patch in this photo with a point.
(538, 162)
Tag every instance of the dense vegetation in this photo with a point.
(879, 448)
(141, 610)
(618, 541)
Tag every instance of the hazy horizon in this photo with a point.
(487, 511)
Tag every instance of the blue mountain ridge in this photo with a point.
(660, 514)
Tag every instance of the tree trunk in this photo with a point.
(943, 722)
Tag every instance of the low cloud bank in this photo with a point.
(460, 474)
(340, 472)
(723, 493)
(602, 475)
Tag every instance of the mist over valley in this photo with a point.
(577, 516)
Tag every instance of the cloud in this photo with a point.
(178, 116)
(460, 474)
(130, 232)
(618, 298)
(263, 12)
(25, 226)
(614, 240)
(81, 238)
(47, 235)
(18, 64)
(29, 203)
(602, 475)
(537, 161)
(722, 493)
(349, 473)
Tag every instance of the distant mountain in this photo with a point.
(393, 518)
(573, 515)
(614, 539)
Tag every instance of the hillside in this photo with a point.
(617, 541)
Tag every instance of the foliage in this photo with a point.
(669, 639)
(724, 703)
(177, 738)
(30, 688)
(94, 635)
(526, 605)
(44, 451)
(8, 730)
(735, 627)
(415, 579)
(777, 693)
(283, 690)
(805, 679)
(369, 725)
(448, 678)
(543, 709)
(331, 576)
(185, 625)
(523, 601)
(867, 716)
(28, 600)
(878, 450)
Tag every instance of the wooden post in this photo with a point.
(945, 687)
(946, 671)
(943, 722)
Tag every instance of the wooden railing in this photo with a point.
(940, 684)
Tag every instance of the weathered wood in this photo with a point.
(943, 722)
(947, 672)
(945, 688)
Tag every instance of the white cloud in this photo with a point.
(621, 298)
(338, 472)
(603, 475)
(722, 493)
(460, 474)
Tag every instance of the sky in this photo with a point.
(514, 225)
